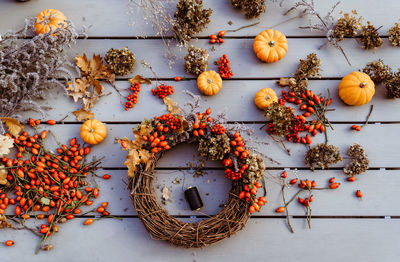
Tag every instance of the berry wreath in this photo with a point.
(156, 136)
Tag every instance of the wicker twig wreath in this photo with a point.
(153, 138)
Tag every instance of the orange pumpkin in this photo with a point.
(49, 19)
(265, 97)
(93, 132)
(356, 89)
(209, 83)
(270, 46)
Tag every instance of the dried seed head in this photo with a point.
(256, 169)
(394, 35)
(322, 155)
(196, 60)
(251, 8)
(347, 26)
(370, 38)
(392, 85)
(281, 118)
(214, 148)
(120, 61)
(378, 71)
(359, 164)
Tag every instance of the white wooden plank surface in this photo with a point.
(233, 93)
(344, 222)
(382, 153)
(240, 52)
(103, 16)
(267, 239)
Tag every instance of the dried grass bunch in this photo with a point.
(33, 66)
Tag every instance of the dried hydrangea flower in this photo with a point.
(392, 85)
(251, 8)
(256, 169)
(360, 162)
(378, 71)
(347, 26)
(120, 61)
(394, 35)
(281, 118)
(370, 38)
(196, 60)
(215, 147)
(191, 19)
(322, 155)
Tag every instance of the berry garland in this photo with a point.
(162, 133)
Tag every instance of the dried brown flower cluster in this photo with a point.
(359, 164)
(196, 60)
(214, 148)
(394, 35)
(33, 66)
(120, 61)
(4, 223)
(281, 118)
(347, 26)
(251, 8)
(309, 67)
(322, 155)
(370, 38)
(256, 169)
(191, 19)
(382, 73)
(378, 71)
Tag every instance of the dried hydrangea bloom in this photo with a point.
(215, 147)
(251, 8)
(347, 26)
(281, 118)
(360, 162)
(378, 71)
(196, 60)
(370, 38)
(322, 155)
(120, 61)
(190, 18)
(394, 35)
(256, 169)
(392, 85)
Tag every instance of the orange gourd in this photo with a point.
(49, 19)
(270, 46)
(265, 97)
(209, 83)
(356, 89)
(93, 132)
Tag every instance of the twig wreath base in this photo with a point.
(156, 136)
(163, 226)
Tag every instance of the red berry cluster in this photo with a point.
(224, 68)
(157, 142)
(132, 98)
(238, 148)
(250, 191)
(218, 129)
(162, 91)
(201, 123)
(214, 39)
(356, 127)
(308, 101)
(167, 122)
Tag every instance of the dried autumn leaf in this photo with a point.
(172, 106)
(166, 194)
(13, 125)
(82, 115)
(136, 157)
(139, 79)
(3, 175)
(83, 63)
(283, 81)
(78, 89)
(6, 143)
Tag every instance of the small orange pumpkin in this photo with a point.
(93, 131)
(209, 83)
(49, 19)
(270, 46)
(265, 97)
(356, 89)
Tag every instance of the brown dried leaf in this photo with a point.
(98, 69)
(166, 194)
(283, 81)
(78, 89)
(139, 79)
(135, 157)
(3, 175)
(172, 106)
(83, 63)
(13, 125)
(82, 115)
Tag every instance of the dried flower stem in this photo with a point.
(242, 27)
(368, 116)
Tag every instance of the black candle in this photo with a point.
(193, 198)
